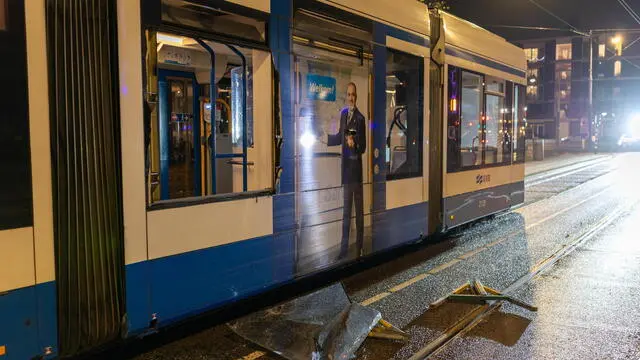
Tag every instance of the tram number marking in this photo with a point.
(482, 203)
(482, 179)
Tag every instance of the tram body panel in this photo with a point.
(474, 194)
(27, 275)
(403, 14)
(464, 35)
(482, 174)
(190, 254)
(261, 5)
(132, 131)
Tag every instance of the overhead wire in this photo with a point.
(629, 10)
(635, 17)
(575, 29)
(536, 28)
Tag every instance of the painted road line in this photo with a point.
(494, 243)
(469, 254)
(443, 266)
(376, 298)
(408, 283)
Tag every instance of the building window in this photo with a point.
(564, 94)
(602, 50)
(565, 75)
(405, 74)
(531, 54)
(532, 75)
(563, 52)
(617, 68)
(532, 92)
(574, 128)
(564, 90)
(537, 131)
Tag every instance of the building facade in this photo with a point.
(558, 86)
(557, 89)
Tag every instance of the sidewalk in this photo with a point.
(560, 160)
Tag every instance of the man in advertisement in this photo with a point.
(353, 138)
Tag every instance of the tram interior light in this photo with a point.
(170, 39)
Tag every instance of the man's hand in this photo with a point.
(350, 142)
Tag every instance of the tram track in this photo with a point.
(479, 313)
(558, 173)
(469, 254)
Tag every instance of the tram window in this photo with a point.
(195, 146)
(519, 123)
(470, 119)
(405, 74)
(453, 122)
(479, 127)
(494, 135)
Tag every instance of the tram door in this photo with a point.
(179, 110)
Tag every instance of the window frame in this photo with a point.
(507, 158)
(500, 96)
(562, 46)
(518, 120)
(151, 12)
(419, 173)
(212, 37)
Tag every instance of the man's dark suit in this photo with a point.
(351, 174)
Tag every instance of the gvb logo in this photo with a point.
(482, 179)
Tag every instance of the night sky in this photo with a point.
(582, 14)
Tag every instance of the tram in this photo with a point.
(163, 158)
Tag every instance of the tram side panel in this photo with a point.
(206, 236)
(27, 273)
(483, 171)
(481, 175)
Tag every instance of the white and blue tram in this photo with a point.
(162, 158)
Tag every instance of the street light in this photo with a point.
(617, 42)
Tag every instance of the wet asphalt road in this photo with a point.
(588, 300)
